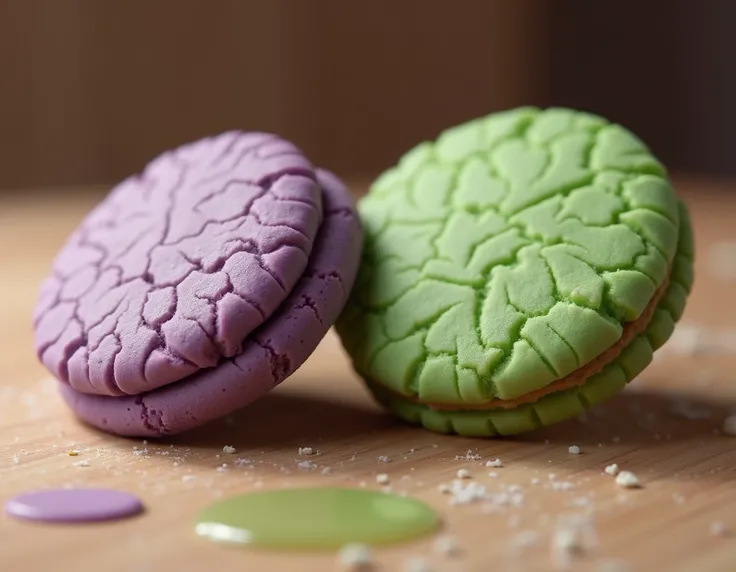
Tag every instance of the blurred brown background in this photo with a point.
(90, 90)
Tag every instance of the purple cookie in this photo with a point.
(178, 265)
(271, 353)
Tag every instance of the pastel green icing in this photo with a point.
(508, 253)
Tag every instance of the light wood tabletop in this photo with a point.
(666, 428)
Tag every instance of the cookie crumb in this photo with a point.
(446, 546)
(729, 426)
(565, 545)
(384, 459)
(228, 449)
(627, 480)
(573, 450)
(611, 469)
(467, 494)
(468, 456)
(562, 486)
(306, 451)
(382, 479)
(494, 463)
(355, 557)
(463, 474)
(718, 528)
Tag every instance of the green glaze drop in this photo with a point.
(316, 518)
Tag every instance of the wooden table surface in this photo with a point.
(664, 428)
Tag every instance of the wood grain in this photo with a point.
(92, 90)
(688, 472)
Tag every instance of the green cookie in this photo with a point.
(520, 268)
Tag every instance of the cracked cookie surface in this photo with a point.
(270, 354)
(508, 254)
(173, 270)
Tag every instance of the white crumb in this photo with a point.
(82, 463)
(551, 476)
(729, 426)
(493, 474)
(462, 494)
(444, 488)
(446, 546)
(384, 459)
(307, 465)
(140, 452)
(496, 463)
(562, 486)
(240, 461)
(573, 450)
(572, 538)
(228, 449)
(678, 498)
(16, 459)
(382, 479)
(222, 468)
(463, 474)
(611, 469)
(718, 528)
(355, 557)
(306, 451)
(627, 480)
(417, 564)
(326, 470)
(468, 456)
(188, 478)
(535, 481)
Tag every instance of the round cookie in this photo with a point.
(520, 268)
(176, 266)
(269, 355)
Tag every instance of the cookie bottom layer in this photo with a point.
(568, 403)
(271, 354)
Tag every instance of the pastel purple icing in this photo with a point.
(74, 505)
(178, 265)
(271, 353)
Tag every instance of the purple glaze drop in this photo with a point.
(73, 505)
